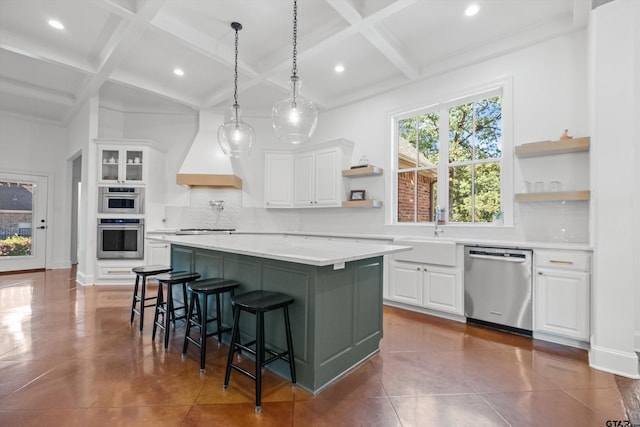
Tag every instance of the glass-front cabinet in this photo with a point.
(123, 165)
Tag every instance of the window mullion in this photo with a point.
(443, 162)
(473, 162)
(416, 122)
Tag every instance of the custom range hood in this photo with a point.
(206, 165)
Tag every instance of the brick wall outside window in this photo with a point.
(406, 198)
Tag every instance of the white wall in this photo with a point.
(549, 85)
(37, 148)
(171, 134)
(616, 108)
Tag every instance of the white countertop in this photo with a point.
(520, 244)
(283, 247)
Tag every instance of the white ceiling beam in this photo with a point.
(124, 9)
(210, 47)
(375, 37)
(266, 76)
(36, 92)
(19, 45)
(200, 42)
(116, 49)
(581, 11)
(141, 83)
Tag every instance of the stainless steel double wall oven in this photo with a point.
(121, 235)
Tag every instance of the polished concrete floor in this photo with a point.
(68, 357)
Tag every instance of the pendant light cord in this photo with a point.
(235, 76)
(295, 38)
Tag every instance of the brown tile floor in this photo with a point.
(68, 356)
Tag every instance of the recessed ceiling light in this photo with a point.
(472, 9)
(178, 72)
(56, 24)
(338, 68)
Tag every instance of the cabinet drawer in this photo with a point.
(115, 271)
(568, 260)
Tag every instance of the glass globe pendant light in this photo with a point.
(235, 136)
(295, 117)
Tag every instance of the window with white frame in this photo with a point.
(452, 149)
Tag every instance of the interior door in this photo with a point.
(23, 222)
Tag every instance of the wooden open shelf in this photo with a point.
(362, 204)
(546, 148)
(555, 196)
(368, 171)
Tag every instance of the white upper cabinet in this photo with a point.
(278, 180)
(121, 163)
(307, 177)
(317, 178)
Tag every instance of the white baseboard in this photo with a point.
(616, 362)
(423, 310)
(60, 264)
(85, 280)
(560, 340)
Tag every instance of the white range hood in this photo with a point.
(206, 165)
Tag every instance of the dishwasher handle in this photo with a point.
(514, 259)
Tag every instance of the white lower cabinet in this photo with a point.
(434, 287)
(562, 294)
(442, 289)
(406, 283)
(158, 253)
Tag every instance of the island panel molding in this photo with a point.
(336, 316)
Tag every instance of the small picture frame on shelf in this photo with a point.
(356, 195)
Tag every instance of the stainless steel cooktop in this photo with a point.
(187, 231)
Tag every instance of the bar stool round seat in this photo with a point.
(199, 315)
(142, 273)
(167, 308)
(258, 303)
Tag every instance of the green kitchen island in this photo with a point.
(336, 318)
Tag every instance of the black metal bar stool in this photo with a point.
(141, 284)
(198, 316)
(167, 308)
(258, 303)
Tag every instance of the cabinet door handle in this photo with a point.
(558, 261)
(539, 273)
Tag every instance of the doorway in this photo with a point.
(23, 222)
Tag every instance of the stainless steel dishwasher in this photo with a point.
(498, 287)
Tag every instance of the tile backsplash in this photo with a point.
(201, 214)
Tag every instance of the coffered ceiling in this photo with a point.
(126, 50)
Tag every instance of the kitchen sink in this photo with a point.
(427, 251)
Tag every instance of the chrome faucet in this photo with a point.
(439, 218)
(218, 204)
(437, 231)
